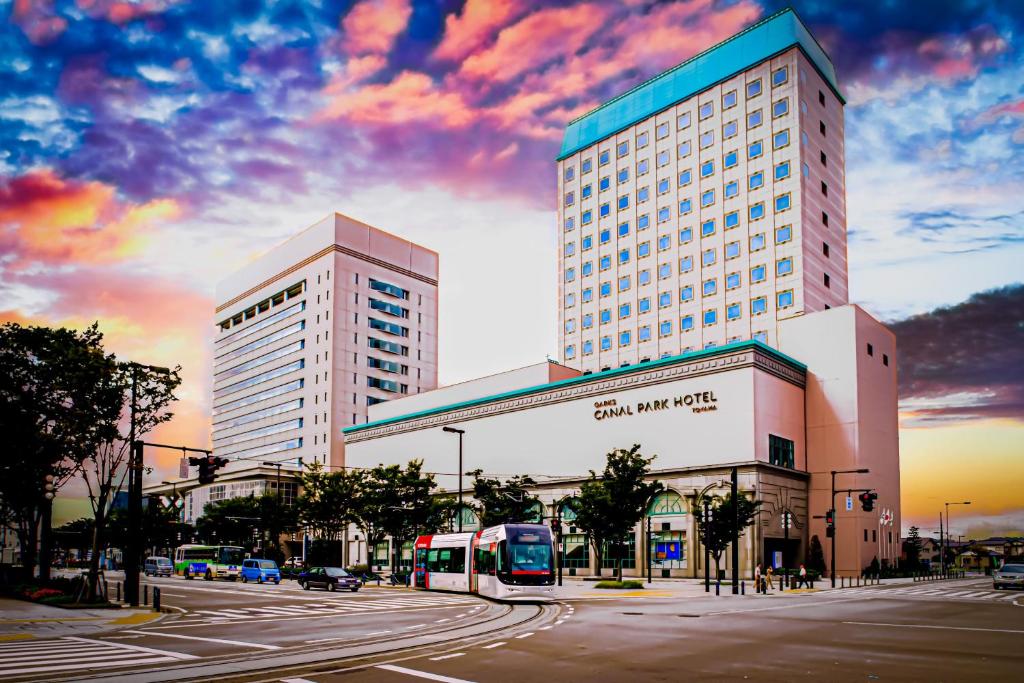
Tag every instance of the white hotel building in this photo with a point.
(705, 205)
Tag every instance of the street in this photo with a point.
(937, 631)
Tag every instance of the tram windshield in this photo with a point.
(528, 553)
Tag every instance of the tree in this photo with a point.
(609, 506)
(232, 521)
(816, 556)
(716, 533)
(55, 407)
(912, 548)
(503, 503)
(327, 504)
(74, 535)
(105, 468)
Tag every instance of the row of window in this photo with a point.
(758, 306)
(783, 234)
(730, 159)
(258, 308)
(683, 121)
(687, 323)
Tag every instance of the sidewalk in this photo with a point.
(21, 620)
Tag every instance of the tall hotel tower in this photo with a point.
(336, 319)
(705, 205)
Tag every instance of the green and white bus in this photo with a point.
(209, 561)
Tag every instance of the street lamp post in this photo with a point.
(948, 533)
(460, 432)
(832, 565)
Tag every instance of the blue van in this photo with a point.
(260, 571)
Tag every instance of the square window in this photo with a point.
(663, 158)
(623, 149)
(780, 76)
(754, 88)
(729, 130)
(623, 256)
(755, 149)
(588, 347)
(730, 159)
(758, 274)
(623, 175)
(570, 223)
(604, 157)
(570, 173)
(758, 305)
(606, 262)
(732, 189)
(785, 299)
(570, 351)
(685, 178)
(780, 139)
(756, 211)
(683, 120)
(606, 289)
(642, 167)
(624, 338)
(756, 180)
(624, 311)
(706, 110)
(782, 202)
(624, 283)
(641, 140)
(643, 221)
(732, 281)
(710, 287)
(783, 234)
(605, 236)
(780, 108)
(570, 325)
(684, 149)
(732, 311)
(685, 207)
(664, 214)
(645, 305)
(707, 168)
(587, 218)
(707, 228)
(606, 343)
(708, 258)
(664, 299)
(570, 300)
(623, 229)
(665, 328)
(732, 250)
(729, 99)
(783, 267)
(586, 166)
(710, 317)
(644, 277)
(605, 210)
(588, 321)
(606, 316)
(645, 333)
(624, 201)
(570, 248)
(686, 294)
(604, 183)
(661, 131)
(686, 264)
(755, 119)
(664, 242)
(588, 295)
(643, 249)
(757, 242)
(685, 235)
(707, 198)
(707, 139)
(570, 198)
(686, 323)
(586, 192)
(570, 274)
(760, 337)
(732, 220)
(782, 171)
(664, 271)
(663, 186)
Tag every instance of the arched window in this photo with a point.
(536, 513)
(568, 514)
(469, 519)
(667, 503)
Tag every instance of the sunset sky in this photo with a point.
(148, 148)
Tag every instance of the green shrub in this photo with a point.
(619, 585)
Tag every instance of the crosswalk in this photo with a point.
(975, 593)
(328, 606)
(72, 654)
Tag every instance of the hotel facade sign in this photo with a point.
(698, 402)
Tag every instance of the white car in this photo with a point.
(1008, 576)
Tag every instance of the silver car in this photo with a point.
(1008, 576)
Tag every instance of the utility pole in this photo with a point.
(460, 432)
(835, 530)
(734, 486)
(277, 513)
(949, 530)
(707, 551)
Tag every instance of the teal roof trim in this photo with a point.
(763, 40)
(582, 379)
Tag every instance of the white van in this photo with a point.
(158, 566)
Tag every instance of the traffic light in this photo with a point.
(830, 523)
(208, 467)
(867, 500)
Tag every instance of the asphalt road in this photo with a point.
(940, 631)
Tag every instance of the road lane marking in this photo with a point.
(944, 628)
(441, 621)
(544, 628)
(493, 645)
(421, 674)
(257, 618)
(239, 643)
(451, 656)
(524, 635)
(378, 633)
(296, 680)
(78, 666)
(140, 648)
(409, 628)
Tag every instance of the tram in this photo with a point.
(509, 562)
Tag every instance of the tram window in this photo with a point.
(501, 557)
(447, 560)
(483, 562)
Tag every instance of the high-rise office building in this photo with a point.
(310, 334)
(705, 205)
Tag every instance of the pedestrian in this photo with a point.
(768, 579)
(802, 583)
(757, 578)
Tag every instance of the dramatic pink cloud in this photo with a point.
(409, 97)
(477, 24)
(372, 26)
(36, 18)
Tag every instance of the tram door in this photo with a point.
(421, 567)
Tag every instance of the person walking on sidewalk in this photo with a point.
(757, 578)
(768, 579)
(802, 583)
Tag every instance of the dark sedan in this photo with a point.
(331, 578)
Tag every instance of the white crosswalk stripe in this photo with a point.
(76, 654)
(975, 594)
(334, 606)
